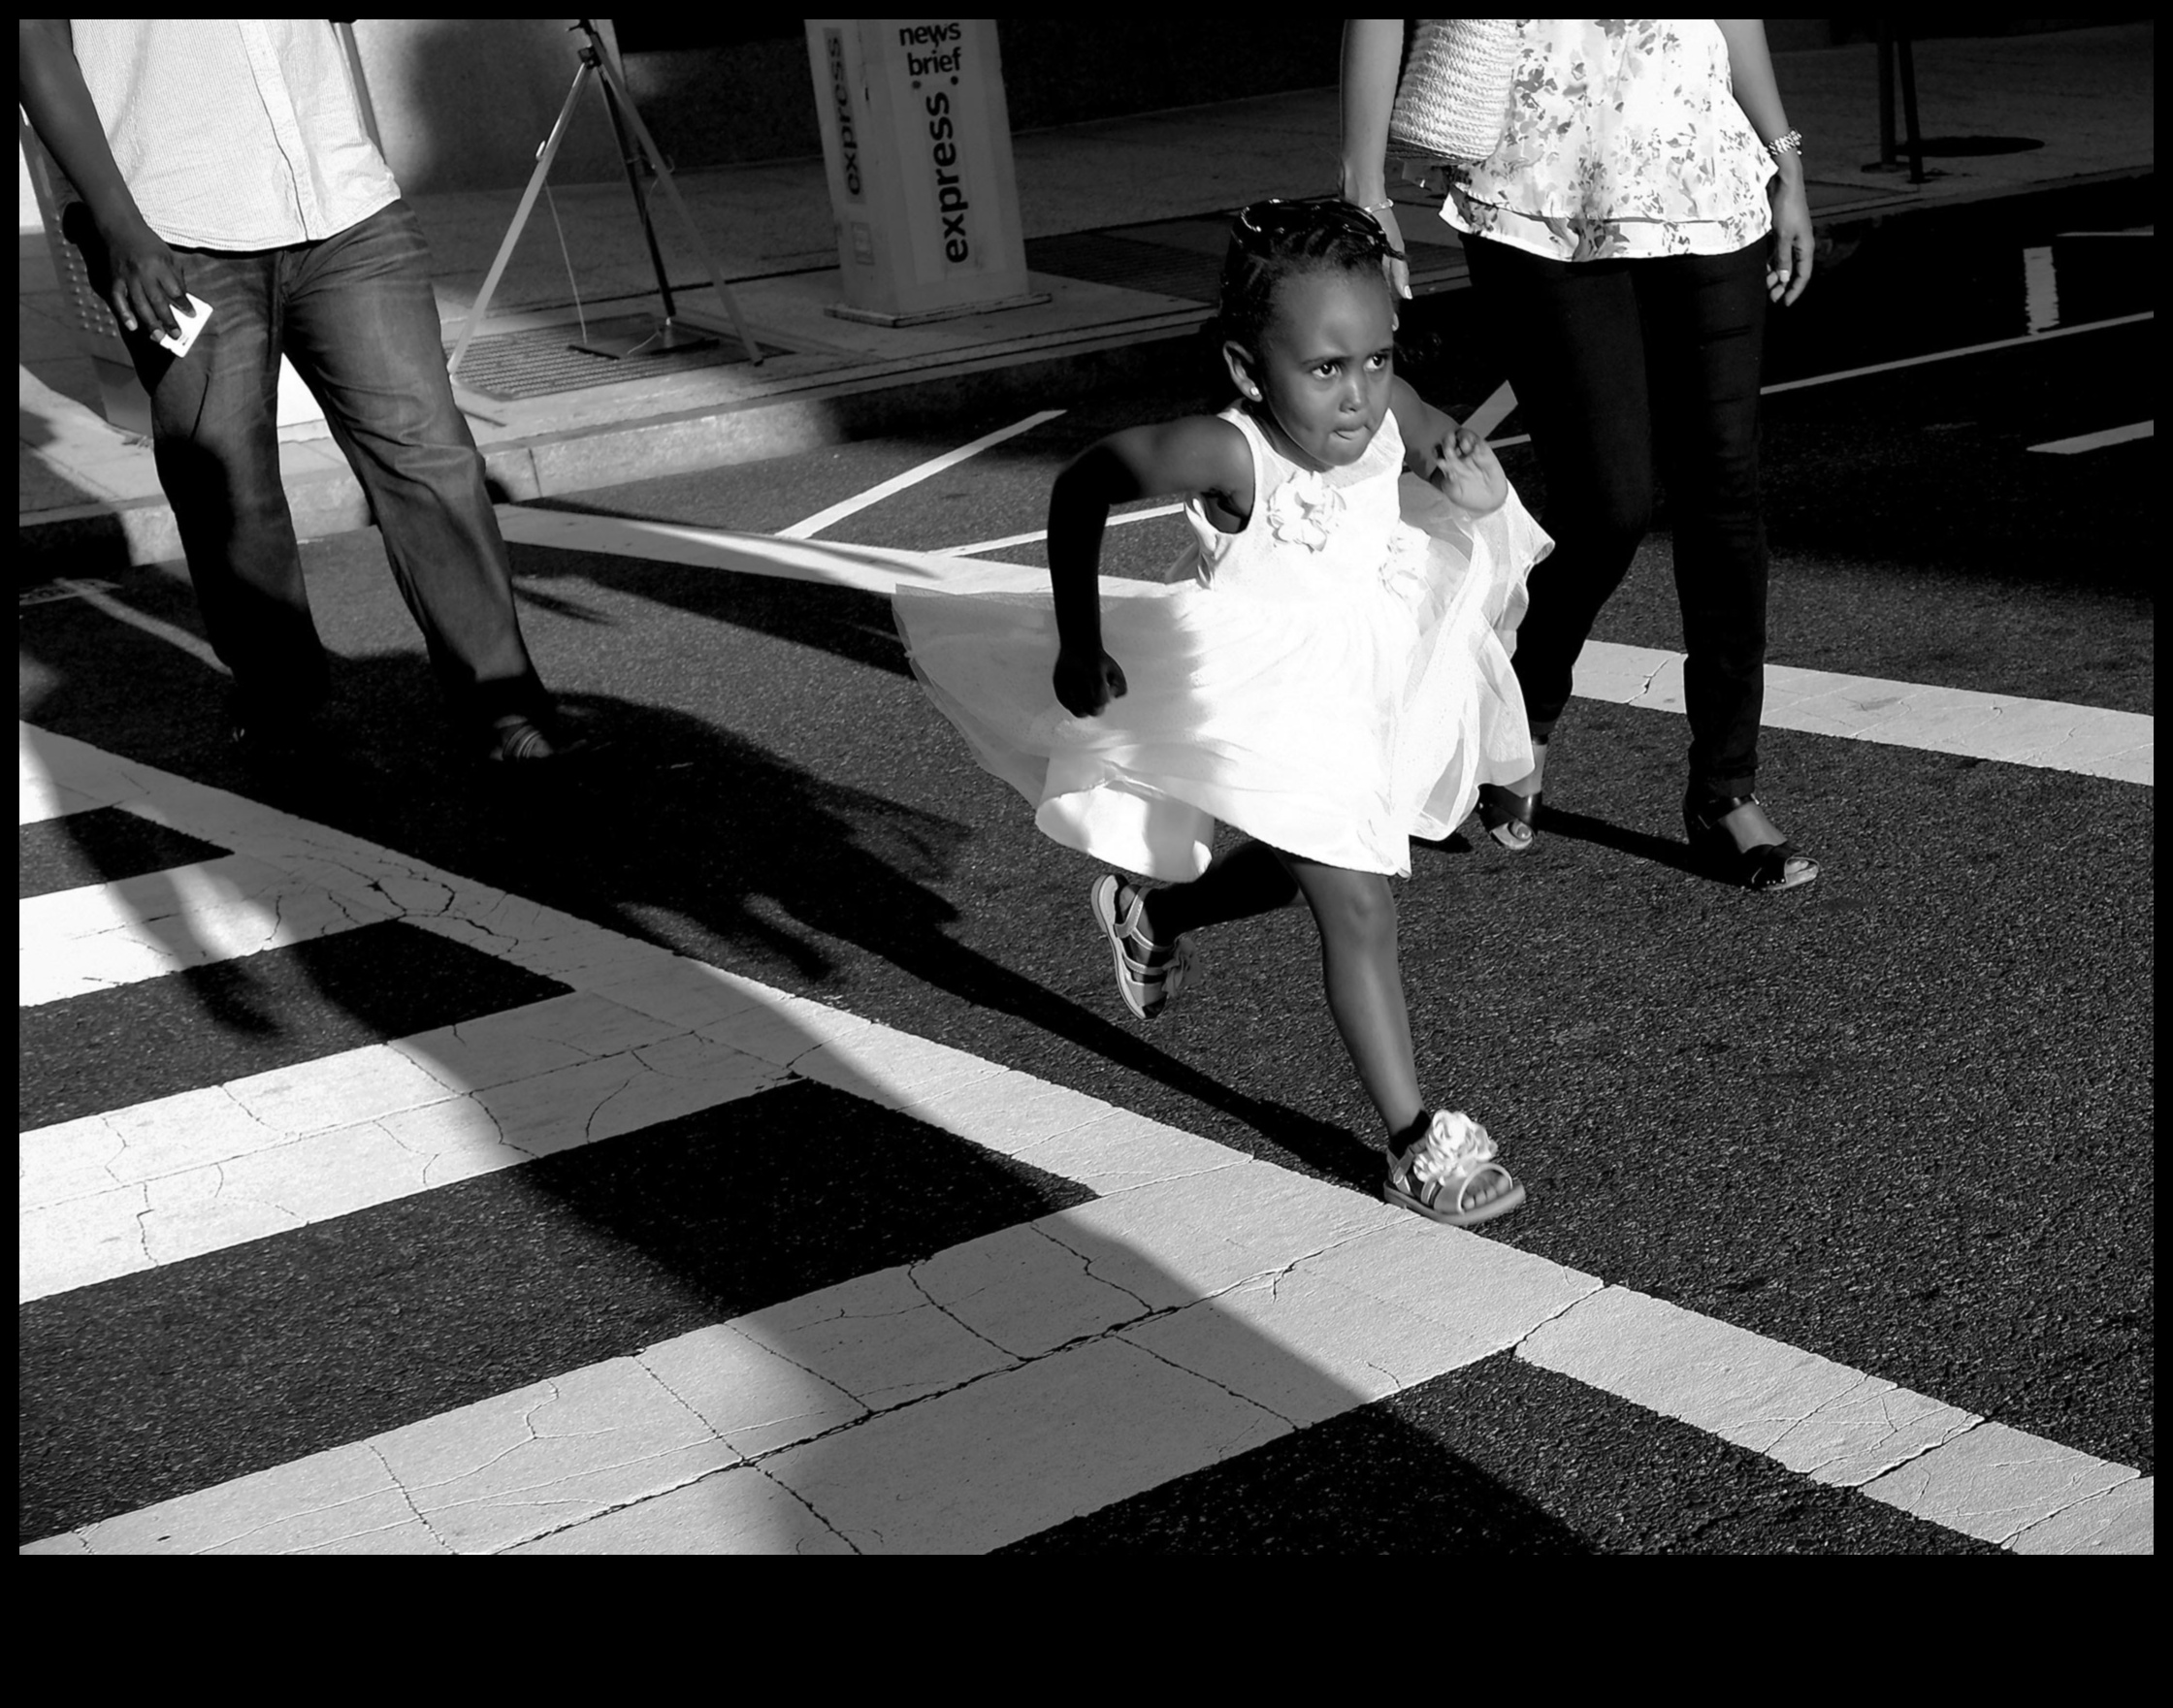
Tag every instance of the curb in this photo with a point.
(87, 538)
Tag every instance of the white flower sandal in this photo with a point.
(1149, 975)
(1439, 1176)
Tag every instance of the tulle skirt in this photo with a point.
(1332, 723)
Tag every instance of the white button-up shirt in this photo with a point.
(234, 133)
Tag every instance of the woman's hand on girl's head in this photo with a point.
(1085, 682)
(1398, 268)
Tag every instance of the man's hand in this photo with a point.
(1086, 682)
(1467, 472)
(138, 276)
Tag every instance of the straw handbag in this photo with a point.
(1454, 102)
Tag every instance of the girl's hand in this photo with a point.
(1085, 682)
(1788, 267)
(1466, 471)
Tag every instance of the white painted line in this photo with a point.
(881, 569)
(1838, 1426)
(2133, 231)
(2089, 740)
(180, 1176)
(1205, 1302)
(1040, 534)
(2040, 289)
(2042, 338)
(73, 942)
(2091, 441)
(897, 483)
(94, 595)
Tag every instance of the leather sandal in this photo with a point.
(1508, 816)
(1771, 865)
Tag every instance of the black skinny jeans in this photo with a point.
(1622, 367)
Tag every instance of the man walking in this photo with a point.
(227, 158)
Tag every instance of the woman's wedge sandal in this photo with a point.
(1441, 1176)
(1771, 865)
(1508, 816)
(1149, 975)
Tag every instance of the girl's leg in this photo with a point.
(1357, 919)
(1571, 340)
(1244, 880)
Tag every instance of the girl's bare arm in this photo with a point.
(1196, 454)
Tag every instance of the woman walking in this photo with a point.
(1643, 206)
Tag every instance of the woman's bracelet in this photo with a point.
(1790, 143)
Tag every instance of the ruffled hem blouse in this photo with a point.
(1626, 131)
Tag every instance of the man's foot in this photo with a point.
(1447, 1173)
(518, 739)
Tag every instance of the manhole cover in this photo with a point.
(537, 363)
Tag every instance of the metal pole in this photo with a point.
(672, 189)
(1909, 108)
(1887, 148)
(629, 157)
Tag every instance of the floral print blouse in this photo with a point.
(1625, 133)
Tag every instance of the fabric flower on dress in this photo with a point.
(1304, 508)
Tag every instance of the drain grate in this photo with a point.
(535, 364)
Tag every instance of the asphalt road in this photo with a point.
(1902, 1119)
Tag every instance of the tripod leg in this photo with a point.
(629, 157)
(520, 217)
(672, 189)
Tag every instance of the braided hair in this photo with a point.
(1255, 267)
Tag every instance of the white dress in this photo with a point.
(1333, 680)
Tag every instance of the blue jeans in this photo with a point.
(355, 315)
(1625, 370)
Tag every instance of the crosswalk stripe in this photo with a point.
(1204, 1304)
(102, 935)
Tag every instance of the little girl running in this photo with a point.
(1329, 675)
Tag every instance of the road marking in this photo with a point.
(2047, 735)
(73, 942)
(1205, 1302)
(94, 595)
(2040, 288)
(2040, 338)
(1040, 534)
(913, 476)
(2091, 442)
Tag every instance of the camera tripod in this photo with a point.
(638, 154)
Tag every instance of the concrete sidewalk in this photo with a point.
(1124, 221)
